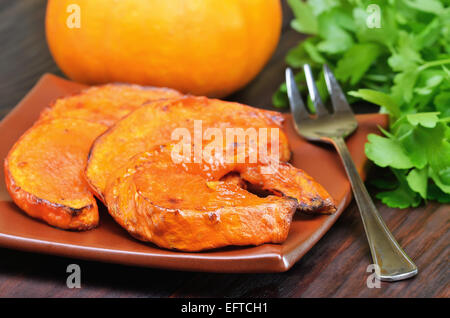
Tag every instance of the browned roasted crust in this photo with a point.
(63, 217)
(260, 220)
(119, 135)
(53, 212)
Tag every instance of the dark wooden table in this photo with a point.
(335, 267)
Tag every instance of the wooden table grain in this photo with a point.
(335, 267)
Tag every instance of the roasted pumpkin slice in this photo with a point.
(44, 173)
(160, 121)
(45, 169)
(107, 103)
(292, 182)
(179, 206)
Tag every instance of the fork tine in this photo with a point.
(338, 99)
(313, 92)
(298, 108)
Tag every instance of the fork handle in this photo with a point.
(393, 262)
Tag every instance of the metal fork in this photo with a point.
(392, 261)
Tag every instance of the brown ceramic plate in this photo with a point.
(110, 243)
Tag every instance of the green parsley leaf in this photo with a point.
(402, 197)
(428, 120)
(305, 21)
(378, 98)
(395, 55)
(442, 103)
(356, 61)
(387, 152)
(336, 38)
(432, 6)
(434, 193)
(418, 181)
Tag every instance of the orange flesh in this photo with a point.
(291, 182)
(44, 173)
(177, 206)
(45, 168)
(203, 178)
(108, 103)
(154, 124)
(195, 206)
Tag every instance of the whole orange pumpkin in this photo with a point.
(203, 47)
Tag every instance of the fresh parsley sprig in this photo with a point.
(395, 54)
